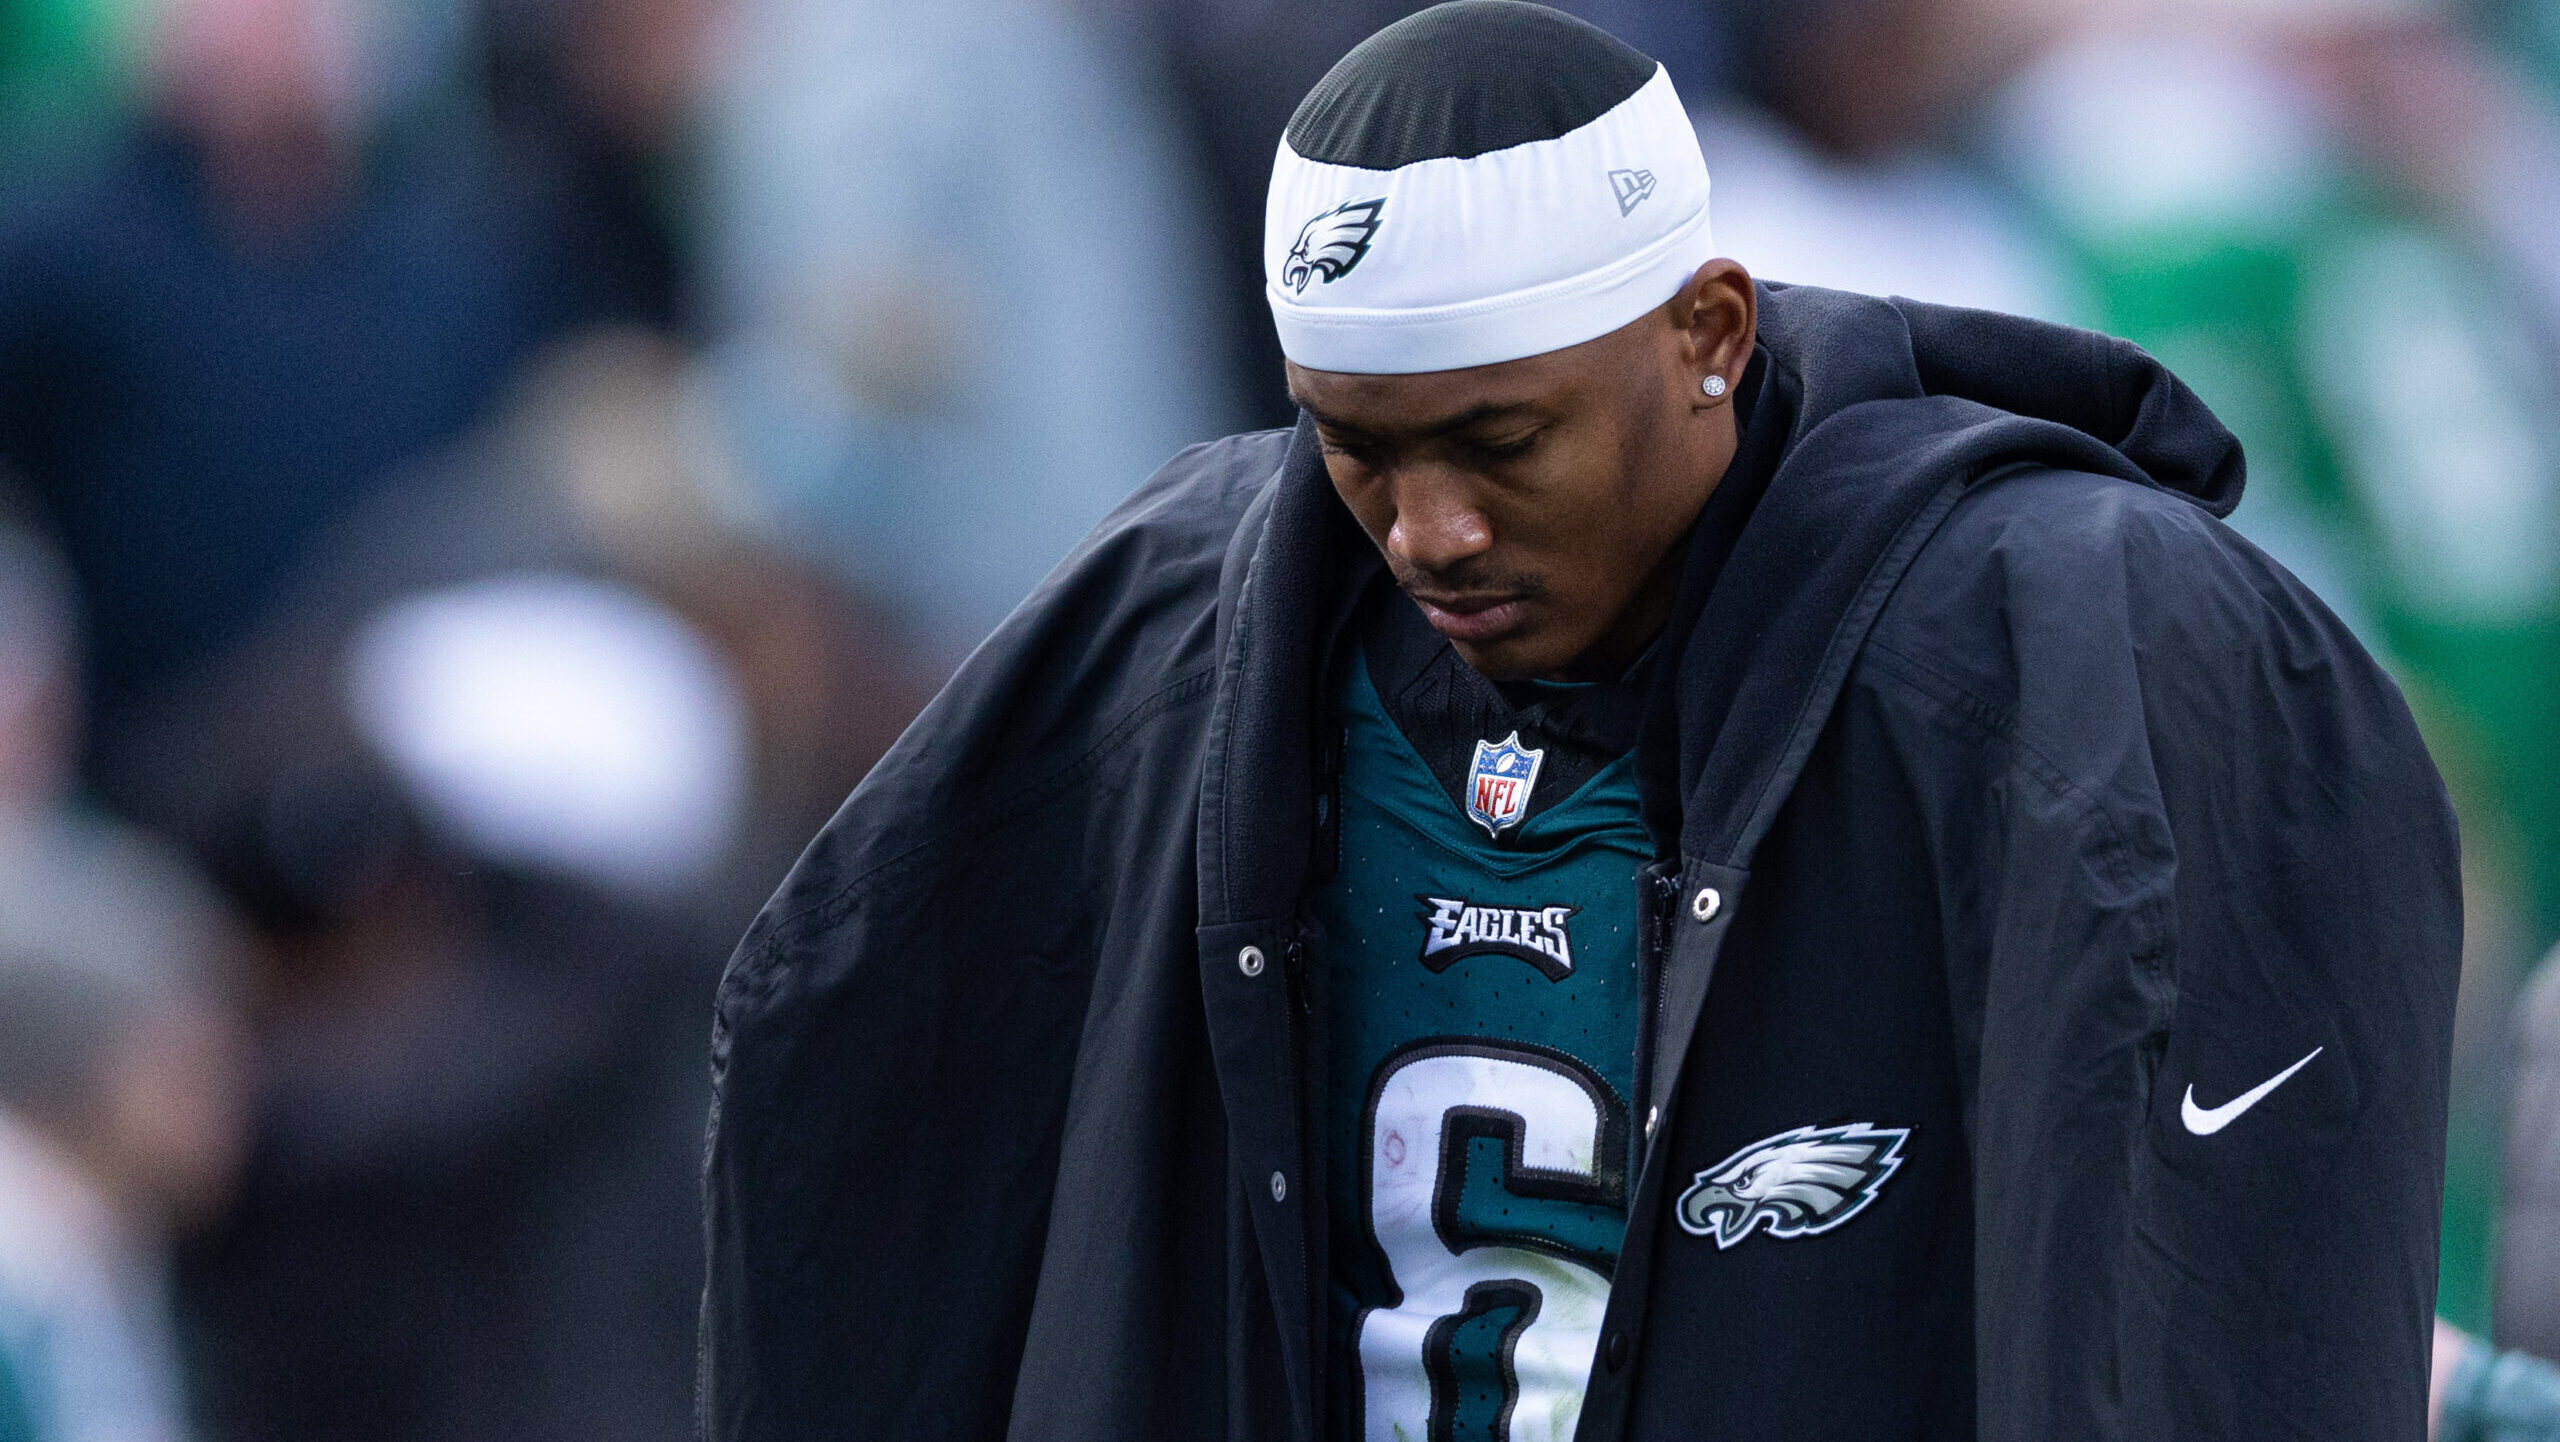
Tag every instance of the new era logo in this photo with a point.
(1632, 186)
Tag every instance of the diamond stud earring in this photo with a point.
(1712, 385)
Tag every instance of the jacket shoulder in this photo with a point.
(2085, 617)
(2041, 527)
(1114, 647)
(2043, 556)
(1184, 514)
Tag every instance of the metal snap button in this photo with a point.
(1279, 1187)
(1706, 904)
(1249, 961)
(1652, 1119)
(1615, 1354)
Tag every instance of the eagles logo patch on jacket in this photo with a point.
(1799, 1183)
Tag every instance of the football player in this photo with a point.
(1682, 858)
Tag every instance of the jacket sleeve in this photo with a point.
(902, 1042)
(2208, 926)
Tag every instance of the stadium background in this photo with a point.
(480, 479)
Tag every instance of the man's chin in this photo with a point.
(1511, 658)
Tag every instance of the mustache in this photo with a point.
(1466, 581)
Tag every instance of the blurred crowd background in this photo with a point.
(481, 479)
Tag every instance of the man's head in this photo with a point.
(1489, 262)
(1531, 507)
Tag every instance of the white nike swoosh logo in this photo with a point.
(2204, 1122)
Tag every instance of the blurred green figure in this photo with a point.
(64, 65)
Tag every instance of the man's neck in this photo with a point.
(1632, 633)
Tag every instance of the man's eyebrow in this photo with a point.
(1472, 415)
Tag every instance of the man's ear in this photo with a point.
(1717, 315)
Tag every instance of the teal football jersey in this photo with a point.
(1484, 1002)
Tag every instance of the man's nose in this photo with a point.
(1436, 527)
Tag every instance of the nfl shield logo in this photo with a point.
(1499, 781)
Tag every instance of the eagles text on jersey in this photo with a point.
(1534, 934)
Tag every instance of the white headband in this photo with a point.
(1447, 263)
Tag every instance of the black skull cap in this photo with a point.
(1461, 79)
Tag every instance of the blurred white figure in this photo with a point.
(1840, 159)
(1914, 224)
(563, 724)
(964, 284)
(2159, 132)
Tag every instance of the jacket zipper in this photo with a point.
(1657, 893)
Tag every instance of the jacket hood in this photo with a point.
(1847, 349)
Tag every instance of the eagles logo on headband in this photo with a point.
(1332, 243)
(1545, 181)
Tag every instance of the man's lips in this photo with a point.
(1473, 619)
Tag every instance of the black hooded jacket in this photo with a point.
(2005, 797)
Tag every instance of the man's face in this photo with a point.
(1530, 508)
